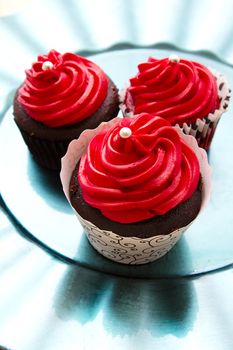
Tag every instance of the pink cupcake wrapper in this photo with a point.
(129, 250)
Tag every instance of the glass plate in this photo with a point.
(35, 201)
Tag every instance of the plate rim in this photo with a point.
(28, 235)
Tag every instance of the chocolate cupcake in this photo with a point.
(135, 184)
(61, 96)
(184, 92)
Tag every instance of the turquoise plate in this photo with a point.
(35, 201)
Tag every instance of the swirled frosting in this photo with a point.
(62, 89)
(176, 89)
(138, 169)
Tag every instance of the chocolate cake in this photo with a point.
(177, 217)
(126, 168)
(135, 184)
(48, 145)
(61, 96)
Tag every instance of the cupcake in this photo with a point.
(184, 92)
(62, 95)
(135, 184)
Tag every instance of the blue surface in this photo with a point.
(207, 245)
(47, 304)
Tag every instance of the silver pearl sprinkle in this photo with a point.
(125, 132)
(47, 65)
(174, 58)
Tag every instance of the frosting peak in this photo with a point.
(176, 89)
(62, 89)
(137, 177)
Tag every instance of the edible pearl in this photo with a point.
(125, 132)
(47, 65)
(174, 58)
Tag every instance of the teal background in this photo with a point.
(46, 303)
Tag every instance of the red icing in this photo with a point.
(136, 178)
(67, 93)
(180, 92)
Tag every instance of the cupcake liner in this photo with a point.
(49, 144)
(202, 129)
(46, 153)
(129, 250)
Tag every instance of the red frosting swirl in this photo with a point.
(179, 91)
(71, 89)
(141, 176)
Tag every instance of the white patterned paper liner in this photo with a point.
(129, 250)
(202, 129)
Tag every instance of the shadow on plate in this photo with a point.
(160, 306)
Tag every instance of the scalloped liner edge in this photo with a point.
(129, 250)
